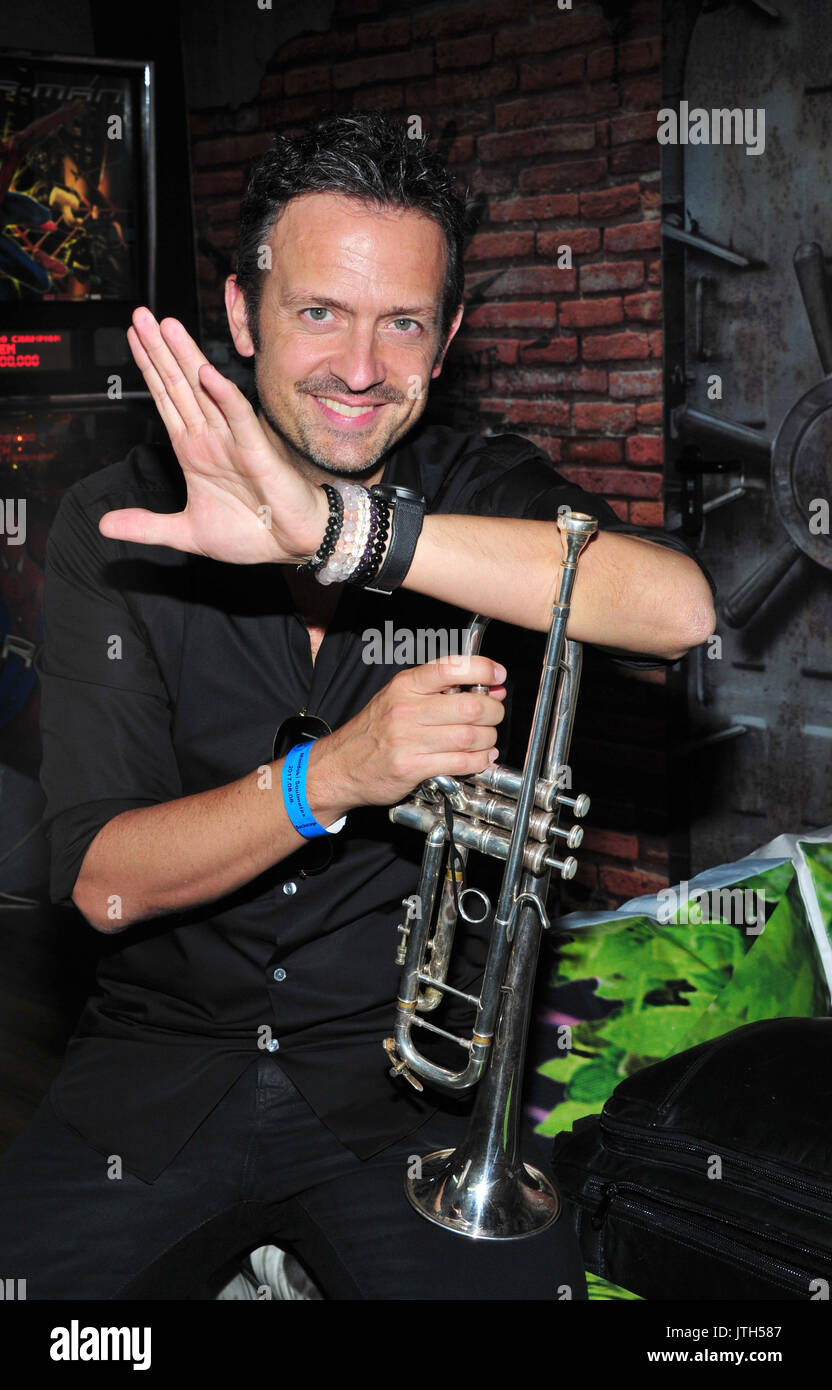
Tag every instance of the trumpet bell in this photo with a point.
(503, 1205)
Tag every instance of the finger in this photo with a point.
(465, 707)
(173, 379)
(171, 418)
(433, 676)
(149, 528)
(236, 410)
(191, 359)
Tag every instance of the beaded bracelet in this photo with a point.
(377, 545)
(331, 534)
(350, 545)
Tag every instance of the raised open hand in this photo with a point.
(246, 503)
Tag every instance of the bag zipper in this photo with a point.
(610, 1192)
(636, 1137)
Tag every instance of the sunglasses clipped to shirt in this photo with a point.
(302, 728)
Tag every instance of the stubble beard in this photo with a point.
(308, 455)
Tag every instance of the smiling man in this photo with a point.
(250, 883)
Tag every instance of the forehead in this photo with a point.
(331, 242)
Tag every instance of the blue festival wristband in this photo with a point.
(294, 792)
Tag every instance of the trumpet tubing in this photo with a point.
(483, 1189)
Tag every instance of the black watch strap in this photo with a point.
(408, 513)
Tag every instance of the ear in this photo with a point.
(237, 314)
(452, 331)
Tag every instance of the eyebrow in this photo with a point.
(324, 301)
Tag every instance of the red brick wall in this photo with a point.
(553, 127)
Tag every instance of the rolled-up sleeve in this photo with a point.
(105, 710)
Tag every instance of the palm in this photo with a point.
(245, 504)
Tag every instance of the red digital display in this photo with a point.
(45, 352)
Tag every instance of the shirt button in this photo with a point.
(290, 888)
(273, 1045)
(279, 973)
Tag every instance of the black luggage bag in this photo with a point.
(709, 1175)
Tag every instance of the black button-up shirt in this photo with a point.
(166, 674)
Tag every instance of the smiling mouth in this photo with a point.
(351, 412)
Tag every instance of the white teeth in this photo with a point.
(341, 409)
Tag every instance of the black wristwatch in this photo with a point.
(408, 513)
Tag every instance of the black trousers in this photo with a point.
(260, 1169)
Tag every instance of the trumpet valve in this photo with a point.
(567, 867)
(573, 836)
(580, 804)
(401, 953)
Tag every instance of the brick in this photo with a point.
(563, 31)
(654, 273)
(231, 149)
(464, 53)
(611, 275)
(600, 63)
(620, 507)
(484, 352)
(531, 111)
(520, 314)
(634, 159)
(543, 205)
(603, 451)
(630, 883)
(386, 34)
(582, 240)
(552, 413)
(639, 54)
(624, 129)
(532, 279)
(626, 386)
(224, 237)
(462, 19)
(647, 513)
(222, 212)
(610, 202)
(461, 150)
(571, 174)
(416, 62)
(535, 381)
(462, 86)
(607, 347)
(499, 245)
(356, 8)
(615, 482)
(652, 850)
(587, 313)
(329, 44)
(546, 442)
(491, 180)
(202, 123)
(642, 92)
(645, 448)
(646, 307)
(551, 72)
(299, 81)
(656, 339)
(650, 414)
(611, 842)
(604, 417)
(217, 181)
(556, 350)
(525, 144)
(206, 270)
(378, 99)
(651, 201)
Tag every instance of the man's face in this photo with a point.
(349, 329)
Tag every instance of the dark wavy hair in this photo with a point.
(364, 155)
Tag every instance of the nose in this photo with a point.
(358, 360)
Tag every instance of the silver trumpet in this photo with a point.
(483, 1189)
